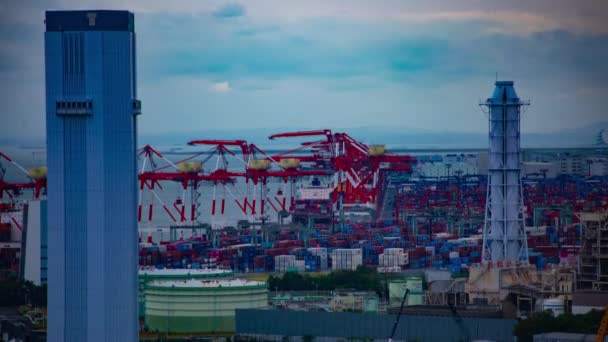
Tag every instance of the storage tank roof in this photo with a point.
(206, 284)
(173, 272)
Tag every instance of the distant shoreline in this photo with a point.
(401, 150)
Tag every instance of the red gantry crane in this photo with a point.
(190, 176)
(36, 176)
(9, 191)
(259, 170)
(357, 168)
(221, 175)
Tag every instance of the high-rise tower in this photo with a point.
(91, 108)
(504, 234)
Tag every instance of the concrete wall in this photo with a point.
(370, 326)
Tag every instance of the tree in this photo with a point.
(15, 292)
(364, 278)
(544, 322)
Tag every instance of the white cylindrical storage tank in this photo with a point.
(555, 305)
(200, 306)
(147, 275)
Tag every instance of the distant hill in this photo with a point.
(577, 136)
(392, 137)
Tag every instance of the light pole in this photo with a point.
(449, 167)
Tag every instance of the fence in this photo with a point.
(371, 326)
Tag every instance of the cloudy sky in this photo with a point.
(216, 65)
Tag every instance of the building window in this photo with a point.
(136, 107)
(83, 107)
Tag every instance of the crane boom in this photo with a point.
(603, 330)
(407, 291)
(242, 144)
(325, 132)
(36, 183)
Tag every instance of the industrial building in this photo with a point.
(91, 109)
(598, 167)
(447, 292)
(593, 255)
(574, 165)
(354, 301)
(35, 243)
(519, 291)
(10, 250)
(397, 288)
(541, 169)
(301, 300)
(200, 306)
(340, 300)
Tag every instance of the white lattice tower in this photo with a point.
(504, 234)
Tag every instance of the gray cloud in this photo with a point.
(416, 64)
(229, 11)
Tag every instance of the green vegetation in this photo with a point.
(364, 278)
(545, 322)
(15, 292)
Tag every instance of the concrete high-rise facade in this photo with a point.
(91, 109)
(504, 234)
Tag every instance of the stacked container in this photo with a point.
(321, 252)
(346, 259)
(288, 263)
(393, 257)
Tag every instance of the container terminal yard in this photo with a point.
(304, 232)
(471, 238)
